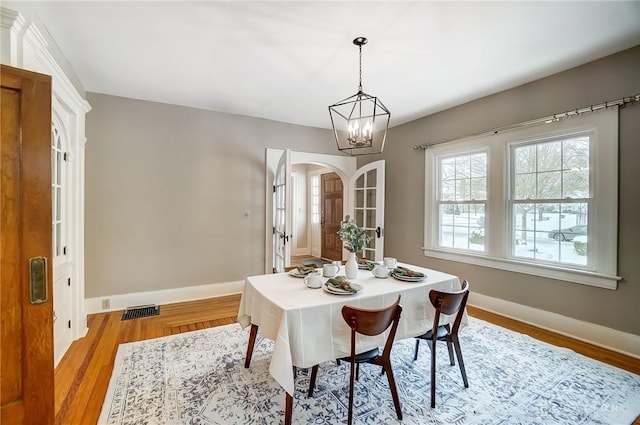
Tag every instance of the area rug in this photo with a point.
(199, 378)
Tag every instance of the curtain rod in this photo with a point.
(549, 119)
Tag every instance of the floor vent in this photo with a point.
(141, 311)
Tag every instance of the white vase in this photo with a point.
(351, 268)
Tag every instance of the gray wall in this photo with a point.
(607, 79)
(167, 188)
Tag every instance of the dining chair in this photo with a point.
(448, 303)
(369, 322)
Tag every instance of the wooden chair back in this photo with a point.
(449, 303)
(373, 322)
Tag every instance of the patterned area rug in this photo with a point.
(199, 378)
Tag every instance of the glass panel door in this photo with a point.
(367, 188)
(281, 208)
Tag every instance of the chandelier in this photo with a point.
(360, 122)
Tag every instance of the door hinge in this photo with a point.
(69, 282)
(64, 250)
(65, 156)
(69, 324)
(274, 230)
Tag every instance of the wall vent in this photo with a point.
(139, 311)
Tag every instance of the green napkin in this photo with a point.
(341, 283)
(403, 271)
(367, 263)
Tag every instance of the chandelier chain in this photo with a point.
(360, 84)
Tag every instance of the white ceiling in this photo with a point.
(287, 61)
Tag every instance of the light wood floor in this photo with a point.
(83, 374)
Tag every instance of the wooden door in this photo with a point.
(26, 358)
(331, 215)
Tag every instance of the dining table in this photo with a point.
(306, 324)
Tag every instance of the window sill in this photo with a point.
(575, 276)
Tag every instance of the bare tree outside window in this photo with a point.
(550, 198)
(462, 199)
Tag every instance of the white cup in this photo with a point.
(380, 271)
(390, 262)
(313, 281)
(330, 270)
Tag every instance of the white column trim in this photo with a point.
(29, 50)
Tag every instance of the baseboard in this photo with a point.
(165, 296)
(611, 339)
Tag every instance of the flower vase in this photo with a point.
(351, 268)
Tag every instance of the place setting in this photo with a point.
(339, 285)
(301, 271)
(407, 275)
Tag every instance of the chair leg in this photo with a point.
(288, 409)
(252, 342)
(456, 344)
(357, 371)
(415, 354)
(450, 348)
(352, 375)
(433, 374)
(312, 381)
(394, 390)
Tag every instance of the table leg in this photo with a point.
(252, 342)
(288, 402)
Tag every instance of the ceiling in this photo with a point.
(287, 61)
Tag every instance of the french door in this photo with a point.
(367, 206)
(282, 213)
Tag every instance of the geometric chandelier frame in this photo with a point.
(360, 122)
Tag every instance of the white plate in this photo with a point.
(296, 273)
(338, 291)
(408, 278)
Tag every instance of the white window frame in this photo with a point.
(58, 195)
(601, 269)
(438, 202)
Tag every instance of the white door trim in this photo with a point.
(28, 49)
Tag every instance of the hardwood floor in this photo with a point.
(82, 377)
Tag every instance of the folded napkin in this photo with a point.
(305, 270)
(341, 283)
(403, 271)
(367, 263)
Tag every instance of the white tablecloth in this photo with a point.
(307, 324)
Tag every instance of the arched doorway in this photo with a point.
(362, 197)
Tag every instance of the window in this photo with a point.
(550, 197)
(315, 199)
(57, 186)
(462, 195)
(529, 200)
